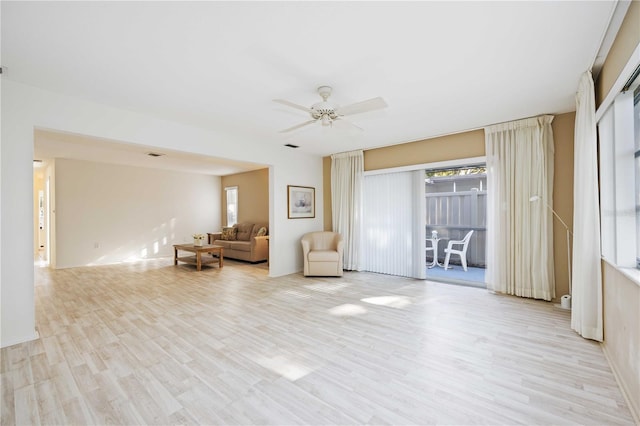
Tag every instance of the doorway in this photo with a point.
(41, 214)
(456, 207)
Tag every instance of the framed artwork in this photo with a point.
(301, 201)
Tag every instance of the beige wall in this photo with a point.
(625, 43)
(326, 184)
(563, 131)
(622, 331)
(621, 293)
(451, 147)
(253, 196)
(471, 144)
(109, 213)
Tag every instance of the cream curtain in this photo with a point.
(347, 174)
(395, 214)
(586, 300)
(520, 233)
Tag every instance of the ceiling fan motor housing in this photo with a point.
(324, 110)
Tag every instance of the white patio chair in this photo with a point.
(461, 252)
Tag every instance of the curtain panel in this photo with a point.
(586, 312)
(519, 188)
(394, 219)
(347, 175)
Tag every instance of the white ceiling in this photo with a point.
(50, 144)
(442, 67)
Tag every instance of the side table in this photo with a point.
(434, 244)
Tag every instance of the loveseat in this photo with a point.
(244, 241)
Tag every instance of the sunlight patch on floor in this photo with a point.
(398, 302)
(297, 294)
(284, 367)
(347, 310)
(327, 287)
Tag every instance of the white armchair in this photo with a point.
(462, 252)
(322, 252)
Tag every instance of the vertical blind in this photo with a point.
(394, 214)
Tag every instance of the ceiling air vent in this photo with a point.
(154, 154)
(290, 145)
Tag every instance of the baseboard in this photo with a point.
(441, 280)
(631, 403)
(24, 339)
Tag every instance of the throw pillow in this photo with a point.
(229, 234)
(262, 232)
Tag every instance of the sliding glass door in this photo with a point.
(456, 206)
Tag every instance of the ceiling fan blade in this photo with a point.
(364, 106)
(340, 120)
(292, 105)
(298, 126)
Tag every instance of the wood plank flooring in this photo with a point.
(153, 343)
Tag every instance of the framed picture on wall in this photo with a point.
(301, 201)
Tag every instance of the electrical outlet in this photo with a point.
(96, 245)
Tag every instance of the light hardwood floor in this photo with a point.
(153, 343)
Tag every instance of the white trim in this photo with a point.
(618, 12)
(623, 167)
(631, 65)
(607, 153)
(23, 339)
(632, 273)
(436, 165)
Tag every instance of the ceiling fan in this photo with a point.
(327, 112)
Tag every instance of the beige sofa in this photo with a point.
(247, 244)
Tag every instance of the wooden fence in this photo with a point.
(453, 214)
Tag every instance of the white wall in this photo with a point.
(111, 213)
(16, 224)
(25, 108)
(285, 233)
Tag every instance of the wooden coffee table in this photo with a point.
(198, 250)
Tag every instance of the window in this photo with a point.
(619, 141)
(232, 205)
(636, 127)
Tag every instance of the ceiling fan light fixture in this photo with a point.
(326, 120)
